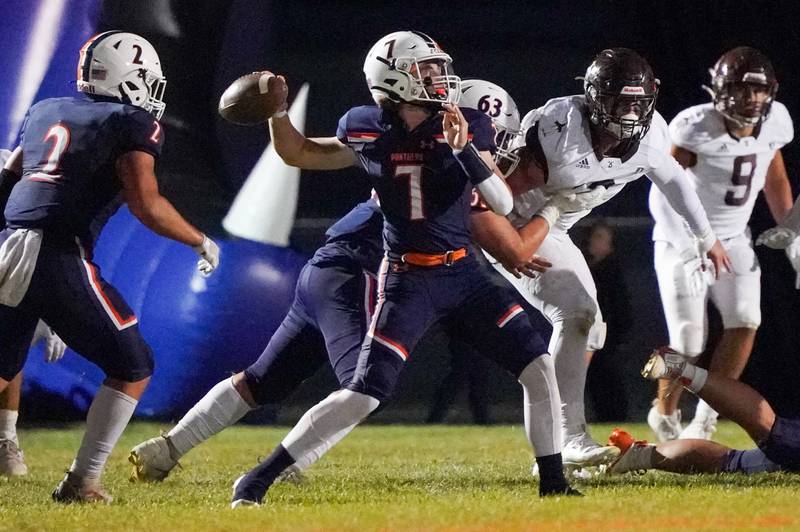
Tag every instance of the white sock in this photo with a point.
(704, 412)
(109, 414)
(311, 457)
(221, 407)
(322, 422)
(542, 406)
(8, 425)
(568, 347)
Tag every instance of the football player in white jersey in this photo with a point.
(730, 148)
(598, 142)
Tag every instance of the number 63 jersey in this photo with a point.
(729, 172)
(70, 146)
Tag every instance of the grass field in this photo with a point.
(391, 478)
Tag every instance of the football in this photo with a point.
(252, 98)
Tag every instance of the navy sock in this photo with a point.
(257, 481)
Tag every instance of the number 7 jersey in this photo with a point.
(729, 172)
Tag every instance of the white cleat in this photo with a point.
(666, 428)
(12, 461)
(241, 503)
(583, 457)
(664, 363)
(699, 429)
(152, 460)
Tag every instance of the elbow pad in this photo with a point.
(473, 164)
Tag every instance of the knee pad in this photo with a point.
(597, 336)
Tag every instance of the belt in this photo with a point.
(434, 259)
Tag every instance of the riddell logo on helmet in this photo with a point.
(632, 90)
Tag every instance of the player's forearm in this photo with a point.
(308, 153)
(683, 198)
(502, 241)
(287, 141)
(778, 194)
(160, 216)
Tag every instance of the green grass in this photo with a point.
(390, 478)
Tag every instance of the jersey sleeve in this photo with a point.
(784, 128)
(483, 132)
(682, 129)
(140, 131)
(341, 129)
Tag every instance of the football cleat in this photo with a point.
(635, 455)
(666, 428)
(152, 460)
(664, 363)
(240, 499)
(75, 489)
(12, 461)
(699, 429)
(583, 457)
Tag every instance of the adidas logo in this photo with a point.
(723, 148)
(583, 164)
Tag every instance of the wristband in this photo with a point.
(550, 213)
(280, 114)
(473, 164)
(707, 240)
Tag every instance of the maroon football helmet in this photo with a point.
(743, 85)
(621, 91)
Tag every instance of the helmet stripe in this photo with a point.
(88, 50)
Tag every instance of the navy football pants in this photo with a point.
(465, 297)
(68, 293)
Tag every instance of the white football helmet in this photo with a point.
(409, 66)
(501, 108)
(123, 66)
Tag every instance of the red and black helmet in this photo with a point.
(621, 91)
(735, 77)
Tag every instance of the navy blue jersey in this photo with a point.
(70, 146)
(424, 193)
(356, 236)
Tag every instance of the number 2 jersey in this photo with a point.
(424, 193)
(69, 184)
(729, 172)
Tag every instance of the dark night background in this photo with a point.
(534, 50)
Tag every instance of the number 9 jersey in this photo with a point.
(70, 147)
(729, 172)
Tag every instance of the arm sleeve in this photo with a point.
(141, 132)
(671, 180)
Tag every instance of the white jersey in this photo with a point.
(563, 132)
(729, 172)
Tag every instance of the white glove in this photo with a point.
(572, 201)
(209, 256)
(54, 346)
(777, 237)
(793, 254)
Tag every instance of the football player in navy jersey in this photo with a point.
(79, 158)
(424, 156)
(334, 300)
